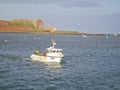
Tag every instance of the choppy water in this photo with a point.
(89, 64)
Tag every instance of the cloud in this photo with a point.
(28, 1)
(63, 3)
(80, 3)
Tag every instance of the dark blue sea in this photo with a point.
(91, 63)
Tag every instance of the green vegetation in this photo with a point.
(65, 32)
(22, 22)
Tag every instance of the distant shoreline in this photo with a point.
(65, 33)
(43, 32)
(37, 27)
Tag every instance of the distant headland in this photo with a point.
(36, 26)
(30, 26)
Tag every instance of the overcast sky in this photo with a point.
(91, 16)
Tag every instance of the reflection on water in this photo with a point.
(54, 65)
(49, 65)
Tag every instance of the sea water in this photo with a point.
(91, 63)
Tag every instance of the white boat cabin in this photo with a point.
(53, 52)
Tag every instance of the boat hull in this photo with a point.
(46, 59)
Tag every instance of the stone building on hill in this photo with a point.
(51, 28)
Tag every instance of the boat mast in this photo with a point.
(53, 43)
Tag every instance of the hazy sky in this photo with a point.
(91, 16)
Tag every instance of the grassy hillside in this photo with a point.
(22, 23)
(16, 26)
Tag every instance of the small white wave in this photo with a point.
(26, 59)
(6, 40)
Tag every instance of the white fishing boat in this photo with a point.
(51, 55)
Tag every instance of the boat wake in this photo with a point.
(27, 59)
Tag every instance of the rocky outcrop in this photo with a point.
(39, 24)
